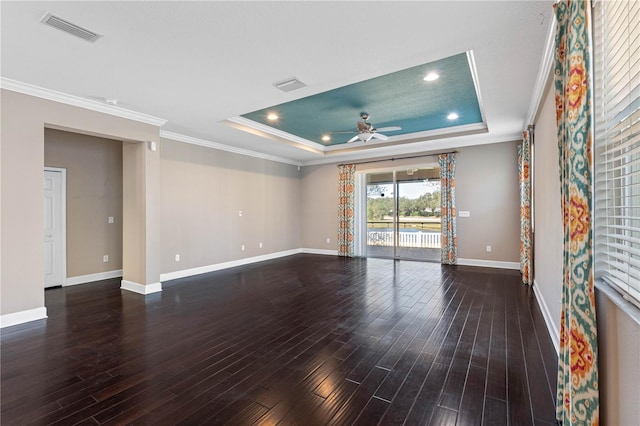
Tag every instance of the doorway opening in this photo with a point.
(403, 214)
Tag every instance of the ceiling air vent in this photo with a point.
(68, 27)
(290, 84)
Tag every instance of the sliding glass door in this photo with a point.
(403, 214)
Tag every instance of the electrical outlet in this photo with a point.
(105, 258)
(177, 258)
(242, 247)
(260, 245)
(488, 249)
(240, 213)
(111, 220)
(328, 240)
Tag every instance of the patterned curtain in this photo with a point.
(346, 204)
(524, 159)
(449, 243)
(578, 397)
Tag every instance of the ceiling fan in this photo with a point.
(366, 131)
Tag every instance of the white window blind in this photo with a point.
(616, 37)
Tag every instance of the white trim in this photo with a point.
(52, 95)
(551, 326)
(489, 263)
(215, 145)
(89, 278)
(544, 71)
(21, 317)
(319, 251)
(476, 83)
(360, 214)
(245, 122)
(224, 265)
(63, 215)
(140, 288)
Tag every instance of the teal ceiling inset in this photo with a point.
(402, 98)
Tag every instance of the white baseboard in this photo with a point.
(554, 332)
(489, 263)
(224, 265)
(83, 279)
(21, 317)
(319, 251)
(141, 288)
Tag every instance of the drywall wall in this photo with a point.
(319, 207)
(23, 123)
(486, 185)
(619, 354)
(547, 214)
(94, 193)
(203, 191)
(618, 333)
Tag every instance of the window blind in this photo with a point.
(616, 37)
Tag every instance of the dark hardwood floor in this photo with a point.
(303, 340)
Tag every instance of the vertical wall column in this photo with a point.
(141, 217)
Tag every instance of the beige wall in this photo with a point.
(203, 191)
(618, 333)
(547, 214)
(494, 204)
(487, 187)
(23, 123)
(94, 192)
(319, 207)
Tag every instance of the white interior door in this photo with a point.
(53, 228)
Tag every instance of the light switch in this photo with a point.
(464, 213)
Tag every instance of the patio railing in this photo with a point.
(405, 239)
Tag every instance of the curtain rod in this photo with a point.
(399, 158)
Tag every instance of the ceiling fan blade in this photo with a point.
(389, 129)
(347, 131)
(353, 139)
(380, 136)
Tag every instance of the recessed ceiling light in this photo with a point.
(111, 101)
(431, 76)
(272, 116)
(453, 116)
(326, 138)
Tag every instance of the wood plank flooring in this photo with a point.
(302, 340)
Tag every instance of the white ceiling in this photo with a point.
(197, 64)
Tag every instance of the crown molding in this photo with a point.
(245, 122)
(215, 145)
(52, 95)
(544, 72)
(476, 83)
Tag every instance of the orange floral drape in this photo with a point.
(346, 204)
(524, 166)
(448, 239)
(578, 390)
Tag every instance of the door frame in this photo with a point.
(63, 216)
